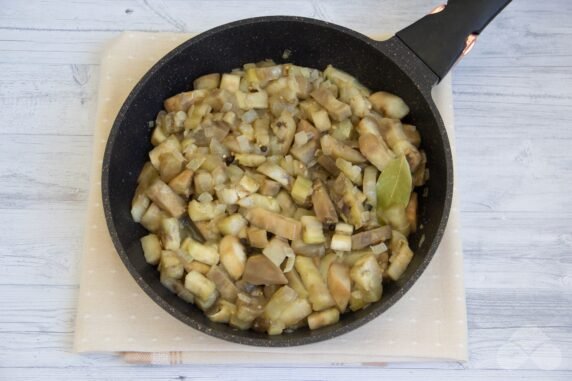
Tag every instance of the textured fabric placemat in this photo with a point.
(115, 315)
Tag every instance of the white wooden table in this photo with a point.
(513, 105)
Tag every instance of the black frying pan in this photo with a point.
(409, 65)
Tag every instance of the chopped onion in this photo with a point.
(205, 197)
(249, 116)
(234, 173)
(301, 138)
(196, 162)
(217, 148)
(379, 248)
(228, 196)
(244, 143)
(227, 106)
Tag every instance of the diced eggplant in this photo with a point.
(223, 283)
(322, 204)
(275, 223)
(389, 105)
(163, 196)
(232, 256)
(370, 237)
(339, 284)
(336, 109)
(333, 147)
(259, 270)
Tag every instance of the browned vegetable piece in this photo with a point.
(151, 219)
(260, 270)
(170, 165)
(218, 98)
(373, 147)
(269, 188)
(230, 82)
(232, 256)
(301, 190)
(349, 201)
(368, 125)
(303, 86)
(323, 318)
(182, 183)
(412, 134)
(140, 203)
(266, 73)
(171, 265)
(162, 195)
(333, 147)
(339, 284)
(208, 229)
(287, 206)
(278, 302)
(370, 237)
(323, 205)
(182, 101)
(337, 110)
(171, 144)
(295, 282)
(257, 237)
(308, 250)
(223, 283)
(329, 164)
(170, 233)
(388, 104)
(421, 174)
(295, 312)
(203, 182)
(276, 173)
(306, 152)
(305, 126)
(319, 295)
(284, 129)
(383, 262)
(217, 131)
(221, 312)
(411, 212)
(248, 308)
(147, 175)
(275, 223)
(207, 82)
(366, 275)
(198, 267)
(269, 290)
(151, 246)
(401, 256)
(393, 134)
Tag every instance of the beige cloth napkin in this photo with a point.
(114, 315)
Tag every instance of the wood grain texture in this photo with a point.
(513, 109)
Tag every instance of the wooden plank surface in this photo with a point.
(513, 109)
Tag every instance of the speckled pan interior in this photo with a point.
(379, 65)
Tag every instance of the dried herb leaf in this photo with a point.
(394, 184)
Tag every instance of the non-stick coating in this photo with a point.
(309, 43)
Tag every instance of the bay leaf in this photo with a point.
(394, 184)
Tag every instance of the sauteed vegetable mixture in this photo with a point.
(301, 184)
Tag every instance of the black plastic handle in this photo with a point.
(439, 39)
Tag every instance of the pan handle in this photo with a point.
(440, 38)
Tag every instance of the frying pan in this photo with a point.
(409, 64)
